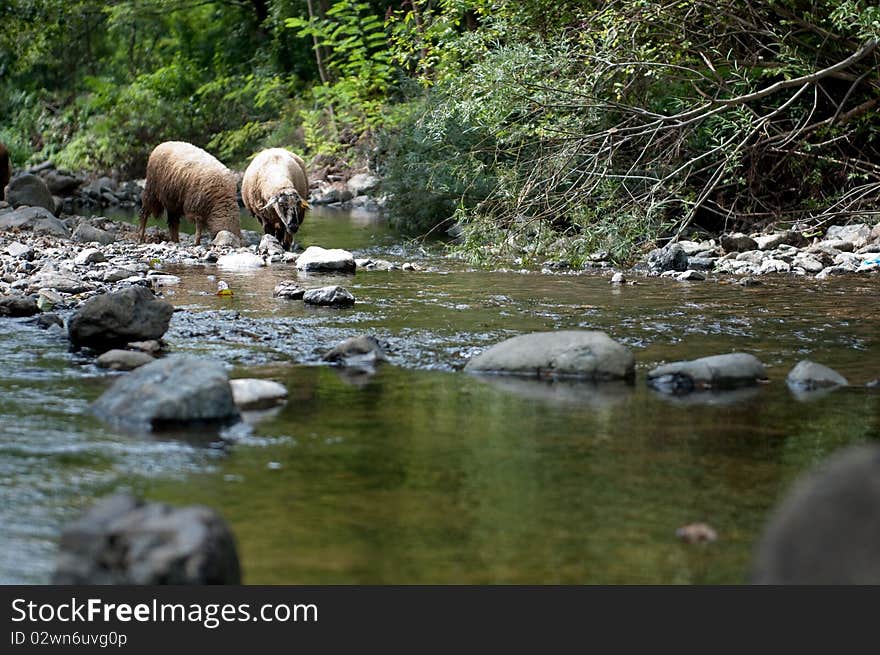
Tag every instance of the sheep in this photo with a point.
(187, 181)
(5, 170)
(275, 189)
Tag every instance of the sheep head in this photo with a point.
(290, 208)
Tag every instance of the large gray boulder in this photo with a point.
(567, 353)
(171, 392)
(36, 219)
(30, 190)
(126, 541)
(113, 319)
(809, 376)
(826, 530)
(318, 259)
(671, 257)
(716, 372)
(332, 296)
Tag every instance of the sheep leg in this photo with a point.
(142, 226)
(174, 226)
(198, 235)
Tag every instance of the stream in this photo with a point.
(423, 474)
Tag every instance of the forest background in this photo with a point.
(535, 127)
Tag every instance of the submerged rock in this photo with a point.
(332, 296)
(288, 290)
(716, 372)
(249, 393)
(695, 533)
(825, 530)
(170, 392)
(567, 353)
(114, 319)
(318, 259)
(122, 540)
(809, 376)
(358, 352)
(123, 360)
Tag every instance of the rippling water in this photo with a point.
(423, 474)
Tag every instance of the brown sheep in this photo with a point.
(184, 180)
(5, 170)
(275, 189)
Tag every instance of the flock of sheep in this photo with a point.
(185, 181)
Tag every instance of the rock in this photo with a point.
(332, 296)
(825, 530)
(62, 282)
(808, 376)
(122, 540)
(270, 245)
(240, 261)
(47, 299)
(113, 319)
(690, 275)
(695, 533)
(123, 360)
(174, 391)
(738, 242)
(830, 271)
(151, 346)
(317, 259)
(618, 278)
(671, 257)
(716, 372)
(18, 250)
(749, 282)
(357, 352)
(362, 183)
(858, 234)
(772, 241)
(251, 394)
(701, 263)
(47, 320)
(30, 190)
(840, 245)
(771, 265)
(18, 306)
(566, 353)
(370, 264)
(89, 256)
(158, 280)
(37, 219)
(329, 193)
(226, 239)
(85, 233)
(61, 184)
(289, 290)
(807, 262)
(119, 274)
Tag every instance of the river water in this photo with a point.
(424, 474)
